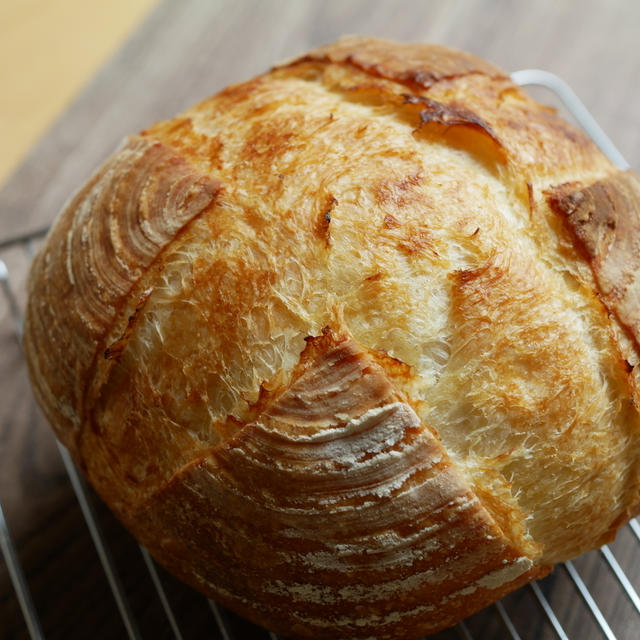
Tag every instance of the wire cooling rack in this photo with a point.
(595, 596)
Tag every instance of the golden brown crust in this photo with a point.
(456, 87)
(472, 409)
(416, 65)
(104, 242)
(604, 221)
(339, 476)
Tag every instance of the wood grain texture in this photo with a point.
(41, 37)
(183, 53)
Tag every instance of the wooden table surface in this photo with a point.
(182, 53)
(41, 70)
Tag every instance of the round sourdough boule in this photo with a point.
(351, 347)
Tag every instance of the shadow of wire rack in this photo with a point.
(595, 596)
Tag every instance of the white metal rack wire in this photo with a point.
(540, 618)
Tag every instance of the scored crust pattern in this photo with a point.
(337, 490)
(103, 243)
(325, 502)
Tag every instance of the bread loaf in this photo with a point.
(351, 347)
